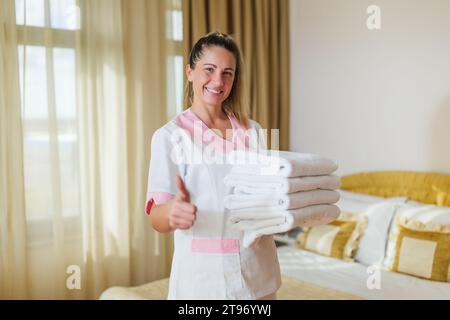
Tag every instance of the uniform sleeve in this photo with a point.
(162, 170)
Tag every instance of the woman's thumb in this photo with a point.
(183, 193)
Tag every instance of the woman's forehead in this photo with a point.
(218, 57)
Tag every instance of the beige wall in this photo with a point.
(374, 100)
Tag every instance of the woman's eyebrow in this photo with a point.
(213, 65)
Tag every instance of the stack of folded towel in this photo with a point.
(276, 191)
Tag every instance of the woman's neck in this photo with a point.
(209, 114)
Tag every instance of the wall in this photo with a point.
(373, 100)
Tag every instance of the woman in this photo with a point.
(187, 198)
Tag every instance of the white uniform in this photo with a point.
(209, 260)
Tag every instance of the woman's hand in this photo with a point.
(182, 213)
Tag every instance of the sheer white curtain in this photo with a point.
(74, 159)
(103, 146)
(13, 259)
(151, 51)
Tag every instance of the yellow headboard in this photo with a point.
(433, 188)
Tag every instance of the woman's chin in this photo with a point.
(213, 102)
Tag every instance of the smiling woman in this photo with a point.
(213, 78)
(215, 82)
(261, 30)
(210, 261)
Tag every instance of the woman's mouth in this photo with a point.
(214, 91)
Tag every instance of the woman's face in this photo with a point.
(213, 76)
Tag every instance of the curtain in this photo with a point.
(260, 28)
(103, 146)
(147, 48)
(74, 163)
(13, 257)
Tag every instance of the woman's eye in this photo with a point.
(210, 70)
(228, 74)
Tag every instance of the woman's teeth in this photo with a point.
(214, 91)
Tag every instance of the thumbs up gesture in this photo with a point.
(182, 213)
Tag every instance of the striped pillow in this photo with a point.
(419, 243)
(338, 239)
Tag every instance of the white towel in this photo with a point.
(281, 201)
(280, 163)
(250, 225)
(257, 184)
(258, 223)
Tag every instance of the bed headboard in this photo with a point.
(433, 188)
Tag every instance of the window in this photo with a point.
(47, 58)
(47, 61)
(175, 66)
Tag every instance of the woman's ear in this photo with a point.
(189, 72)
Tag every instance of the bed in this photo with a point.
(352, 277)
(291, 289)
(307, 275)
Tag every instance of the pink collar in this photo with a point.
(188, 120)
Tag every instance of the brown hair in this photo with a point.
(234, 104)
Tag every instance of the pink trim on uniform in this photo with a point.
(148, 206)
(188, 121)
(158, 198)
(215, 245)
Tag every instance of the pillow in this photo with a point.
(379, 212)
(442, 197)
(358, 202)
(372, 246)
(338, 239)
(360, 196)
(419, 243)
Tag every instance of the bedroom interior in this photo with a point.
(80, 99)
(314, 274)
(378, 101)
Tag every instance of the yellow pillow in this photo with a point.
(423, 254)
(443, 199)
(338, 239)
(420, 242)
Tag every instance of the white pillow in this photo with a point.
(359, 196)
(372, 245)
(379, 211)
(353, 202)
(358, 202)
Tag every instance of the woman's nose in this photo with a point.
(217, 79)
